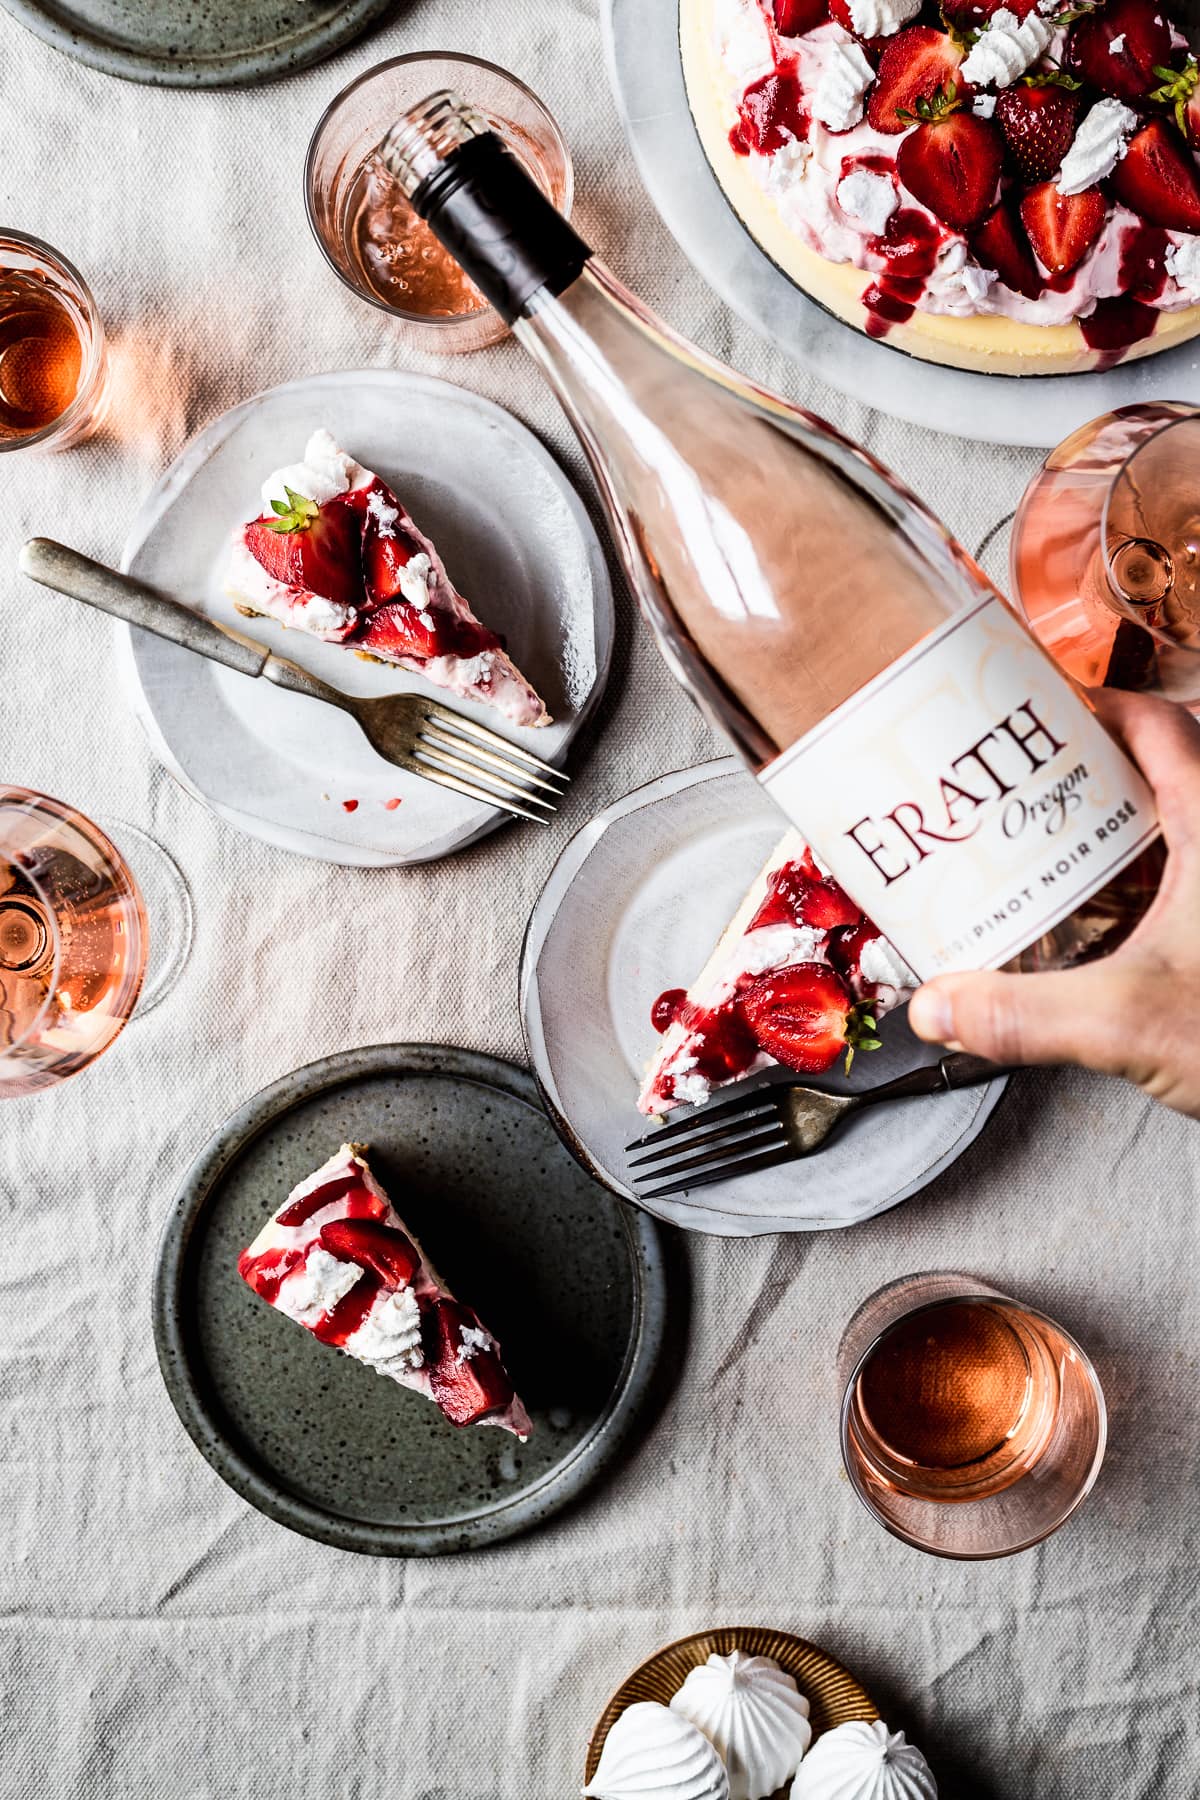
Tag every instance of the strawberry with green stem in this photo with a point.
(951, 162)
(805, 1016)
(308, 546)
(1181, 90)
(1038, 116)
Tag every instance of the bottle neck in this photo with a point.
(489, 213)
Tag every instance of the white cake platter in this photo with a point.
(646, 70)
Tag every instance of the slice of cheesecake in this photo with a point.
(800, 976)
(334, 553)
(337, 1258)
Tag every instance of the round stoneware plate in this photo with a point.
(515, 537)
(570, 1280)
(647, 76)
(634, 905)
(197, 43)
(834, 1696)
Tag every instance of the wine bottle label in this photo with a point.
(966, 798)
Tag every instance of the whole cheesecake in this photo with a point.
(1003, 187)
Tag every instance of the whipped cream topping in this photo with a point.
(804, 181)
(884, 966)
(1183, 265)
(325, 473)
(1005, 48)
(839, 98)
(316, 1286)
(1100, 142)
(869, 198)
(471, 1340)
(389, 1338)
(415, 578)
(882, 18)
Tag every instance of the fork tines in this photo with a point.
(469, 758)
(735, 1137)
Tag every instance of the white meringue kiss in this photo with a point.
(652, 1753)
(753, 1714)
(858, 1761)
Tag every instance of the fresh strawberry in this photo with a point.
(1062, 227)
(378, 1247)
(1119, 47)
(310, 546)
(805, 1017)
(951, 162)
(794, 17)
(917, 65)
(1181, 89)
(794, 898)
(1038, 120)
(1000, 244)
(846, 948)
(1158, 178)
(400, 630)
(467, 1382)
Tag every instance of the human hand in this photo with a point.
(1135, 1013)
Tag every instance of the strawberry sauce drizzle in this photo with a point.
(336, 1326)
(771, 113)
(1143, 273)
(667, 1007)
(267, 1272)
(361, 1202)
(1115, 326)
(910, 243)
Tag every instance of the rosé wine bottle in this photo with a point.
(893, 705)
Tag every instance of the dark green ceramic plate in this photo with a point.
(570, 1279)
(197, 43)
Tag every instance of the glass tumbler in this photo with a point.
(52, 352)
(1105, 552)
(972, 1425)
(370, 235)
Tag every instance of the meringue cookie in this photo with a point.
(882, 18)
(652, 1753)
(858, 1761)
(755, 1717)
(1183, 264)
(1100, 143)
(838, 101)
(1005, 48)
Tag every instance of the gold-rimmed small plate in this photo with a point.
(833, 1694)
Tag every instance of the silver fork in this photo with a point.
(409, 730)
(776, 1122)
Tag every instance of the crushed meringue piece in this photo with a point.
(1100, 142)
(1005, 48)
(869, 198)
(838, 101)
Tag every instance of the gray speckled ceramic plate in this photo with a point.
(197, 43)
(571, 1281)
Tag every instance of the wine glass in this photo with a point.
(52, 352)
(1105, 552)
(972, 1425)
(74, 938)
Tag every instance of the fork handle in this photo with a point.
(958, 1069)
(58, 566)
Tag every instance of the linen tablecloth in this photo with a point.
(157, 1636)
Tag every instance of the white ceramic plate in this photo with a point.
(634, 905)
(516, 539)
(646, 70)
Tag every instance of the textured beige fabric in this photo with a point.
(159, 1638)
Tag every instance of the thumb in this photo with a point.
(1061, 1016)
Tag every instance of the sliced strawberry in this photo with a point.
(794, 898)
(1000, 244)
(1158, 178)
(400, 630)
(1062, 227)
(310, 546)
(380, 1248)
(794, 17)
(846, 948)
(359, 1200)
(951, 164)
(799, 1015)
(916, 65)
(1119, 47)
(468, 1383)
(1038, 121)
(1181, 89)
(722, 1045)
